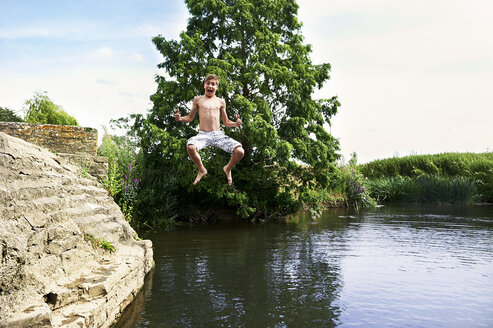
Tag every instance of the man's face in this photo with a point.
(210, 87)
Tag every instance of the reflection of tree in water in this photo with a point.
(303, 279)
(252, 276)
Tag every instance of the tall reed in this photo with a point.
(458, 169)
(424, 188)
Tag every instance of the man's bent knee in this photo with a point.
(192, 151)
(191, 148)
(239, 151)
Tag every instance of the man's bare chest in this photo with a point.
(209, 106)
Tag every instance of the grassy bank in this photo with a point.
(448, 177)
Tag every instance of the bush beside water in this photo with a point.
(146, 197)
(352, 185)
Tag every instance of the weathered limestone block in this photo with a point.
(50, 273)
(96, 166)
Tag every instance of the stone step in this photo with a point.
(30, 188)
(80, 314)
(107, 229)
(54, 208)
(28, 191)
(33, 316)
(85, 209)
(102, 287)
(92, 190)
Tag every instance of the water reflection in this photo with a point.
(262, 275)
(391, 267)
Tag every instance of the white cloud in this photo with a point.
(104, 52)
(137, 57)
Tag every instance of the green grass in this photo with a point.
(99, 243)
(448, 177)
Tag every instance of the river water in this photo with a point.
(387, 267)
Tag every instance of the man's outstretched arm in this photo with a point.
(189, 118)
(226, 121)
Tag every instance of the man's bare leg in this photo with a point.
(195, 157)
(238, 153)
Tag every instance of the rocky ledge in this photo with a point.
(68, 258)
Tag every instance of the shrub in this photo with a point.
(358, 195)
(123, 179)
(145, 196)
(354, 185)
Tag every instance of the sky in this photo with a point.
(412, 76)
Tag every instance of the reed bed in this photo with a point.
(423, 189)
(448, 177)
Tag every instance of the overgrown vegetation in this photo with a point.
(448, 177)
(132, 187)
(122, 181)
(356, 189)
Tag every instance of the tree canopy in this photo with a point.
(41, 109)
(267, 77)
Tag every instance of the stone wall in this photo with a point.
(52, 273)
(78, 145)
(57, 138)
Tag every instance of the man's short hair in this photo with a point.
(211, 77)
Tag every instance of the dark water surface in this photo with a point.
(388, 267)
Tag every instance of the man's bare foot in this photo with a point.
(199, 176)
(228, 175)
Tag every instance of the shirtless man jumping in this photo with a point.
(210, 108)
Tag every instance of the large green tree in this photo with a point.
(267, 77)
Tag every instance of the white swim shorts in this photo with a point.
(213, 138)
